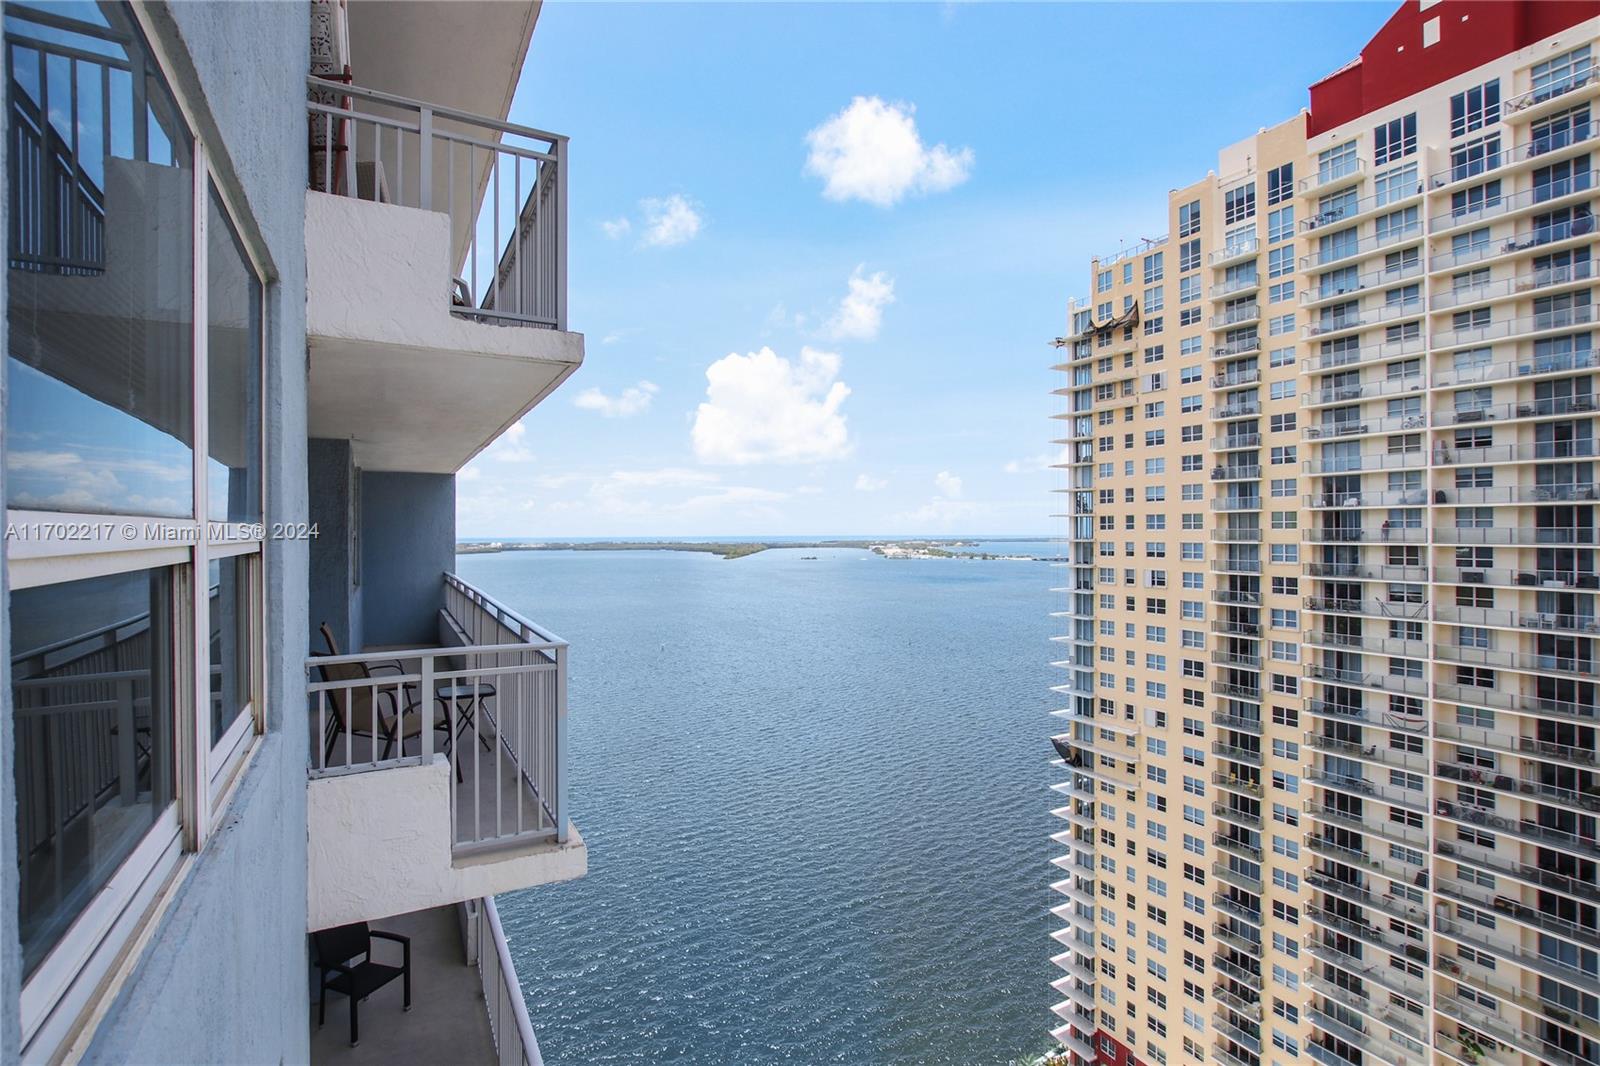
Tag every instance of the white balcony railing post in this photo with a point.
(425, 157)
(559, 770)
(561, 152)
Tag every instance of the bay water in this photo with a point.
(814, 788)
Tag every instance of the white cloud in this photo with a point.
(616, 228)
(860, 313)
(668, 221)
(871, 151)
(511, 446)
(781, 318)
(938, 515)
(1041, 461)
(866, 483)
(945, 510)
(665, 477)
(633, 400)
(103, 479)
(761, 407)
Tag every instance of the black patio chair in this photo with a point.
(335, 948)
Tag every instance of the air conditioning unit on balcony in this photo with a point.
(1472, 577)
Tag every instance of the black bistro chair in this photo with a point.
(335, 950)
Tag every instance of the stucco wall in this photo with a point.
(380, 846)
(335, 596)
(232, 945)
(408, 541)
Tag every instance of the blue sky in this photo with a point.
(864, 221)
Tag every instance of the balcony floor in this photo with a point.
(447, 1021)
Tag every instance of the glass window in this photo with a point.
(230, 598)
(100, 302)
(1394, 139)
(93, 699)
(233, 374)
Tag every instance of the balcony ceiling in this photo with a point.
(465, 54)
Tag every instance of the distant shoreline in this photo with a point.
(915, 548)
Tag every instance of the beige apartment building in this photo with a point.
(1328, 631)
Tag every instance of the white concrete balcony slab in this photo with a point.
(436, 277)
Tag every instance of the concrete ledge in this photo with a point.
(379, 844)
(411, 385)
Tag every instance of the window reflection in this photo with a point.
(92, 693)
(100, 259)
(233, 373)
(230, 642)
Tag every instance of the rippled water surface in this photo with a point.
(815, 798)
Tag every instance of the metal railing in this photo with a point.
(1545, 93)
(496, 705)
(1578, 133)
(1566, 318)
(1484, 291)
(1331, 214)
(1355, 427)
(58, 204)
(514, 1042)
(1581, 225)
(1333, 285)
(504, 187)
(1328, 175)
(1499, 369)
(80, 704)
(1495, 205)
(1336, 251)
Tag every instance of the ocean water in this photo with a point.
(815, 795)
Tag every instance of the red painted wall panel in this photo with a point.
(1395, 65)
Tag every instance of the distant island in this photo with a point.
(888, 549)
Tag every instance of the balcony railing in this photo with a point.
(1494, 206)
(1553, 91)
(1580, 226)
(1334, 286)
(1238, 347)
(1518, 494)
(502, 993)
(1533, 281)
(1368, 460)
(495, 704)
(1354, 427)
(1335, 214)
(1578, 133)
(1585, 535)
(1340, 534)
(1339, 251)
(1517, 368)
(1234, 316)
(1367, 353)
(1234, 251)
(1567, 318)
(1342, 173)
(503, 185)
(1364, 390)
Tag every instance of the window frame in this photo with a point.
(86, 961)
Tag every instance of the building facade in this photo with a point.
(276, 272)
(1329, 609)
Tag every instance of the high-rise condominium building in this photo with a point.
(1330, 633)
(276, 272)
